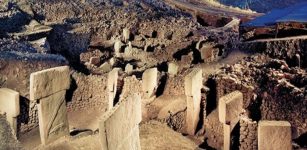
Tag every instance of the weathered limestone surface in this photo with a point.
(112, 86)
(172, 68)
(227, 137)
(117, 47)
(274, 135)
(47, 82)
(53, 122)
(193, 84)
(119, 128)
(9, 103)
(149, 82)
(126, 34)
(230, 107)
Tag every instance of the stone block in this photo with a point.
(274, 135)
(150, 82)
(52, 115)
(118, 47)
(105, 67)
(193, 82)
(119, 126)
(230, 107)
(172, 68)
(47, 82)
(129, 68)
(9, 102)
(126, 34)
(112, 86)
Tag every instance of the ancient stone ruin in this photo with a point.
(151, 75)
(48, 89)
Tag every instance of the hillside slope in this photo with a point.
(260, 5)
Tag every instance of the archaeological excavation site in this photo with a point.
(153, 75)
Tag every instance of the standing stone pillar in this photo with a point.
(119, 127)
(117, 47)
(150, 82)
(193, 83)
(9, 104)
(227, 137)
(48, 88)
(126, 34)
(274, 135)
(112, 86)
(230, 107)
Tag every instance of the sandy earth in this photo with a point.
(153, 136)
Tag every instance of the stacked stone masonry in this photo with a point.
(90, 92)
(248, 134)
(226, 84)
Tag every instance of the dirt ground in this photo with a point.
(7, 140)
(153, 135)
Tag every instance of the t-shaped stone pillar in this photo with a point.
(193, 83)
(230, 107)
(48, 87)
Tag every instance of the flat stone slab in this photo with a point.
(274, 135)
(52, 115)
(47, 82)
(230, 107)
(118, 128)
(9, 102)
(149, 82)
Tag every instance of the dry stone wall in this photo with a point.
(227, 84)
(283, 103)
(88, 92)
(284, 48)
(248, 134)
